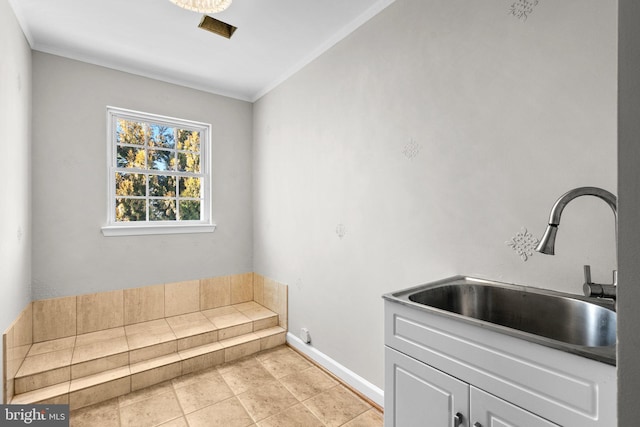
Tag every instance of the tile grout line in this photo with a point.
(332, 375)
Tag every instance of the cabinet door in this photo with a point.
(419, 395)
(490, 411)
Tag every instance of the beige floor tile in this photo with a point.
(100, 349)
(228, 413)
(98, 393)
(200, 350)
(196, 395)
(51, 346)
(247, 306)
(152, 411)
(145, 393)
(211, 374)
(203, 361)
(198, 340)
(42, 379)
(272, 340)
(265, 323)
(219, 311)
(254, 311)
(371, 418)
(235, 331)
(274, 352)
(98, 365)
(207, 398)
(190, 324)
(336, 406)
(45, 362)
(100, 378)
(239, 347)
(99, 336)
(245, 375)
(148, 333)
(155, 376)
(308, 383)
(266, 400)
(153, 351)
(296, 416)
(42, 394)
(286, 364)
(229, 320)
(178, 422)
(243, 339)
(103, 414)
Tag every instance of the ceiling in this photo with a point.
(155, 38)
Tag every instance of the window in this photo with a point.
(159, 178)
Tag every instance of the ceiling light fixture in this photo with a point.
(203, 6)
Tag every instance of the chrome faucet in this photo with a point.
(548, 241)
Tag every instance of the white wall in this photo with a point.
(70, 255)
(15, 185)
(433, 134)
(629, 207)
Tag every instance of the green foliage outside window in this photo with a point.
(158, 173)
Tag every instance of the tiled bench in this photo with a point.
(89, 368)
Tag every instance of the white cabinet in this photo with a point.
(489, 411)
(505, 381)
(418, 395)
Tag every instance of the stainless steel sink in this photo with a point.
(572, 323)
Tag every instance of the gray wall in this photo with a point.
(70, 254)
(15, 185)
(629, 207)
(430, 136)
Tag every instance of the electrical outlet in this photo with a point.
(304, 335)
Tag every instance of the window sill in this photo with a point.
(146, 230)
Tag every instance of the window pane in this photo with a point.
(189, 162)
(161, 136)
(190, 210)
(128, 132)
(130, 210)
(130, 157)
(189, 140)
(162, 185)
(161, 160)
(162, 210)
(190, 187)
(131, 184)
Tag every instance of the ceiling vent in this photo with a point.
(217, 27)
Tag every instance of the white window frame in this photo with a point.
(120, 228)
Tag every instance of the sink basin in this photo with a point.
(573, 323)
(550, 316)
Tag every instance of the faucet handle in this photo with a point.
(587, 274)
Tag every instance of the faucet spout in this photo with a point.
(547, 243)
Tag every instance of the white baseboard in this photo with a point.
(372, 392)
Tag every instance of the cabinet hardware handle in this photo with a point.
(457, 420)
(477, 425)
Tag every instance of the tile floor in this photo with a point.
(275, 388)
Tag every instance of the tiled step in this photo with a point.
(102, 365)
